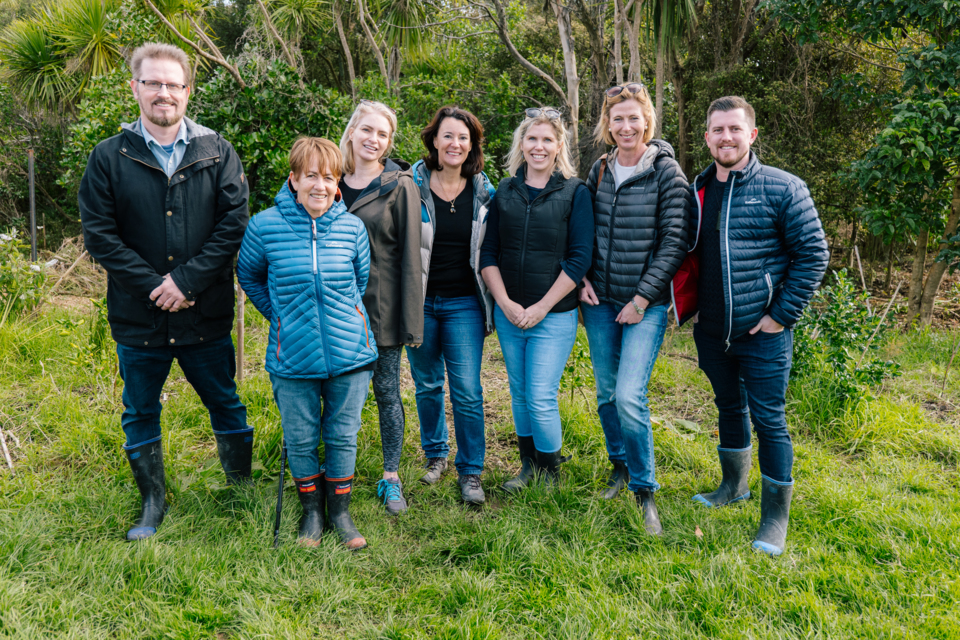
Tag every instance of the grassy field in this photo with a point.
(873, 549)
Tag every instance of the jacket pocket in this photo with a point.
(217, 301)
(122, 308)
(769, 281)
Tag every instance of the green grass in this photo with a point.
(873, 549)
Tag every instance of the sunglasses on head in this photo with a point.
(533, 112)
(375, 103)
(630, 87)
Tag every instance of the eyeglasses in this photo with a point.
(533, 112)
(154, 87)
(631, 87)
(374, 103)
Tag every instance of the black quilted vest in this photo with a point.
(533, 238)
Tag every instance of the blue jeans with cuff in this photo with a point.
(453, 334)
(750, 382)
(313, 409)
(535, 359)
(210, 368)
(623, 356)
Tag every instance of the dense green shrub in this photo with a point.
(22, 284)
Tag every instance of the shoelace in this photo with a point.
(436, 463)
(473, 481)
(389, 491)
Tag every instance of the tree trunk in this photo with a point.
(361, 16)
(853, 240)
(394, 63)
(660, 87)
(633, 71)
(347, 54)
(887, 282)
(939, 269)
(618, 19)
(683, 142)
(573, 79)
(916, 276)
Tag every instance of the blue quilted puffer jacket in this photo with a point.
(772, 248)
(307, 277)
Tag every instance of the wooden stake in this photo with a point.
(882, 320)
(863, 281)
(241, 303)
(6, 453)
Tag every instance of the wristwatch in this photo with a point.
(636, 307)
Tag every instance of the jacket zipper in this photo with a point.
(726, 234)
(769, 280)
(278, 338)
(363, 318)
(523, 247)
(318, 285)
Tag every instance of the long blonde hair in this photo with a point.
(601, 133)
(365, 107)
(563, 162)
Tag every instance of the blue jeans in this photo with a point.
(623, 356)
(750, 381)
(337, 421)
(453, 333)
(535, 359)
(209, 367)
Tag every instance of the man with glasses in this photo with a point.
(164, 207)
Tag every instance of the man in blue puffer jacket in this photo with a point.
(762, 254)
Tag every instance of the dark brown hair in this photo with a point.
(729, 103)
(474, 162)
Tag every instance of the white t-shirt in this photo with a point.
(621, 173)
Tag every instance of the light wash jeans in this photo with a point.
(623, 356)
(304, 422)
(535, 359)
(453, 334)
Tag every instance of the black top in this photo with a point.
(450, 272)
(710, 299)
(579, 235)
(349, 194)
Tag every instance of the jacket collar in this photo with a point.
(421, 176)
(202, 144)
(297, 217)
(655, 149)
(554, 183)
(744, 175)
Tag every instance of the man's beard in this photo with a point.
(732, 163)
(165, 121)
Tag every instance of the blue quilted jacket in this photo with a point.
(307, 277)
(772, 248)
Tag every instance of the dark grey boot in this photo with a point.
(774, 516)
(734, 486)
(146, 462)
(528, 465)
(548, 467)
(619, 479)
(236, 454)
(338, 513)
(651, 519)
(312, 493)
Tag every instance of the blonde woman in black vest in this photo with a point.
(538, 246)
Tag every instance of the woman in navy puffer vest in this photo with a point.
(641, 205)
(304, 264)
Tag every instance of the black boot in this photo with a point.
(312, 493)
(619, 479)
(651, 519)
(548, 467)
(146, 462)
(734, 487)
(528, 465)
(236, 453)
(774, 516)
(338, 513)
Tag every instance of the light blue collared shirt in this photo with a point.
(169, 160)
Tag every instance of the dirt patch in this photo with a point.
(75, 304)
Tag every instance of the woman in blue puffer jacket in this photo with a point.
(304, 263)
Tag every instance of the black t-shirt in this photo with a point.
(450, 272)
(349, 194)
(710, 295)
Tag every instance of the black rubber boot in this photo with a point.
(734, 486)
(146, 462)
(528, 465)
(651, 519)
(619, 479)
(338, 513)
(548, 467)
(312, 493)
(774, 516)
(236, 454)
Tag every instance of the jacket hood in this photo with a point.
(295, 214)
(656, 149)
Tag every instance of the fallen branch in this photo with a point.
(880, 324)
(6, 453)
(68, 271)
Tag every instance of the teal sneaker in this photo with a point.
(391, 491)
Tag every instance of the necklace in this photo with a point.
(453, 209)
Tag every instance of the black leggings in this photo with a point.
(386, 389)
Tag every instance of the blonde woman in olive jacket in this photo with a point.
(382, 193)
